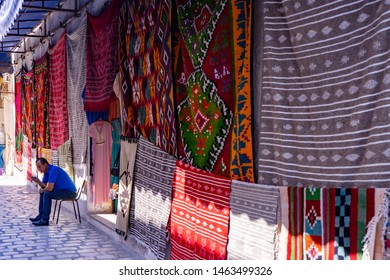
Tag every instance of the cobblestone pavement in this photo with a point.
(20, 239)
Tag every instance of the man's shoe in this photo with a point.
(36, 219)
(41, 223)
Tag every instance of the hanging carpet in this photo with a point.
(146, 70)
(254, 212)
(58, 109)
(326, 224)
(151, 200)
(324, 114)
(200, 212)
(75, 59)
(18, 121)
(101, 58)
(28, 105)
(127, 162)
(42, 90)
(212, 81)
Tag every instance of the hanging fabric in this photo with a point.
(100, 132)
(151, 200)
(28, 105)
(326, 223)
(146, 71)
(42, 91)
(127, 162)
(19, 121)
(254, 219)
(323, 105)
(101, 58)
(213, 86)
(200, 212)
(75, 59)
(58, 109)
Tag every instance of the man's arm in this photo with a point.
(48, 187)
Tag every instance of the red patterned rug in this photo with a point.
(200, 212)
(101, 58)
(58, 109)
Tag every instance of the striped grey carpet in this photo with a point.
(151, 201)
(324, 94)
(254, 211)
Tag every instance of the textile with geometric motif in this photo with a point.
(254, 219)
(101, 58)
(241, 165)
(330, 224)
(151, 201)
(211, 90)
(75, 59)
(58, 103)
(324, 108)
(42, 90)
(199, 221)
(146, 71)
(18, 121)
(28, 105)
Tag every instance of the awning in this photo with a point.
(9, 10)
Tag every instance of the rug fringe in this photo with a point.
(371, 233)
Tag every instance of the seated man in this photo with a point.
(56, 184)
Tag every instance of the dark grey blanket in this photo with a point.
(323, 96)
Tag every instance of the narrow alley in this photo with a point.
(69, 240)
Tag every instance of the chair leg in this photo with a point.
(59, 209)
(55, 207)
(78, 210)
(74, 209)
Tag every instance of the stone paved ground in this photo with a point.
(68, 240)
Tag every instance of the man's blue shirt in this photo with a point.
(59, 177)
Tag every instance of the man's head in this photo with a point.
(42, 165)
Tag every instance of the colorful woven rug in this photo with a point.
(146, 70)
(327, 224)
(42, 90)
(199, 221)
(324, 106)
(254, 212)
(18, 120)
(58, 109)
(211, 66)
(241, 164)
(387, 230)
(28, 105)
(75, 59)
(101, 58)
(127, 162)
(151, 201)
